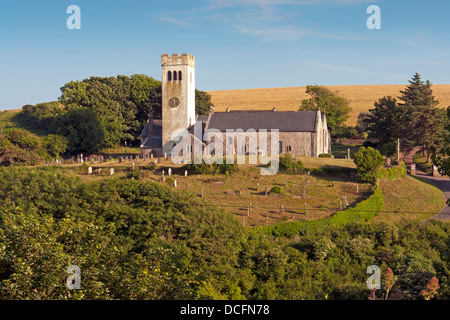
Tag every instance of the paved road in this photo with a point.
(442, 183)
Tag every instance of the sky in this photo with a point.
(237, 44)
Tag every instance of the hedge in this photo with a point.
(393, 173)
(363, 211)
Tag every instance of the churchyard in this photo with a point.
(330, 186)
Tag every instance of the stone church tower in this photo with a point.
(178, 96)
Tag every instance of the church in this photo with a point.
(300, 133)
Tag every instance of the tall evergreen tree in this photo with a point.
(421, 123)
(418, 93)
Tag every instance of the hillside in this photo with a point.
(361, 97)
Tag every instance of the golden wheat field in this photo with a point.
(361, 97)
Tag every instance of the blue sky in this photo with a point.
(237, 43)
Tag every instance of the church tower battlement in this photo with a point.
(178, 96)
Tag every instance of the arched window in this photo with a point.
(179, 75)
(174, 76)
(169, 76)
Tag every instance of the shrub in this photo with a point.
(199, 168)
(224, 167)
(151, 166)
(23, 139)
(393, 173)
(289, 165)
(277, 189)
(170, 181)
(134, 174)
(368, 161)
(326, 155)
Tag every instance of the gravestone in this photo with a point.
(89, 170)
(111, 171)
(413, 169)
(132, 166)
(436, 172)
(185, 173)
(99, 170)
(175, 183)
(169, 171)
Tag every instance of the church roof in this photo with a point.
(154, 141)
(284, 121)
(157, 128)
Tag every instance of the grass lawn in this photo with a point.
(341, 150)
(410, 198)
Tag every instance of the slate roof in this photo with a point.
(284, 121)
(156, 140)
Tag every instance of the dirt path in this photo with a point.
(442, 183)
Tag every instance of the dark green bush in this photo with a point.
(368, 161)
(326, 155)
(224, 167)
(388, 149)
(170, 181)
(199, 168)
(134, 174)
(290, 165)
(277, 189)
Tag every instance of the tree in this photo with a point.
(362, 124)
(336, 108)
(368, 161)
(421, 122)
(55, 145)
(385, 120)
(202, 102)
(418, 93)
(441, 158)
(82, 128)
(431, 289)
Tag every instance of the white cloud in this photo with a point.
(281, 33)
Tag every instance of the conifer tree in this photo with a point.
(421, 122)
